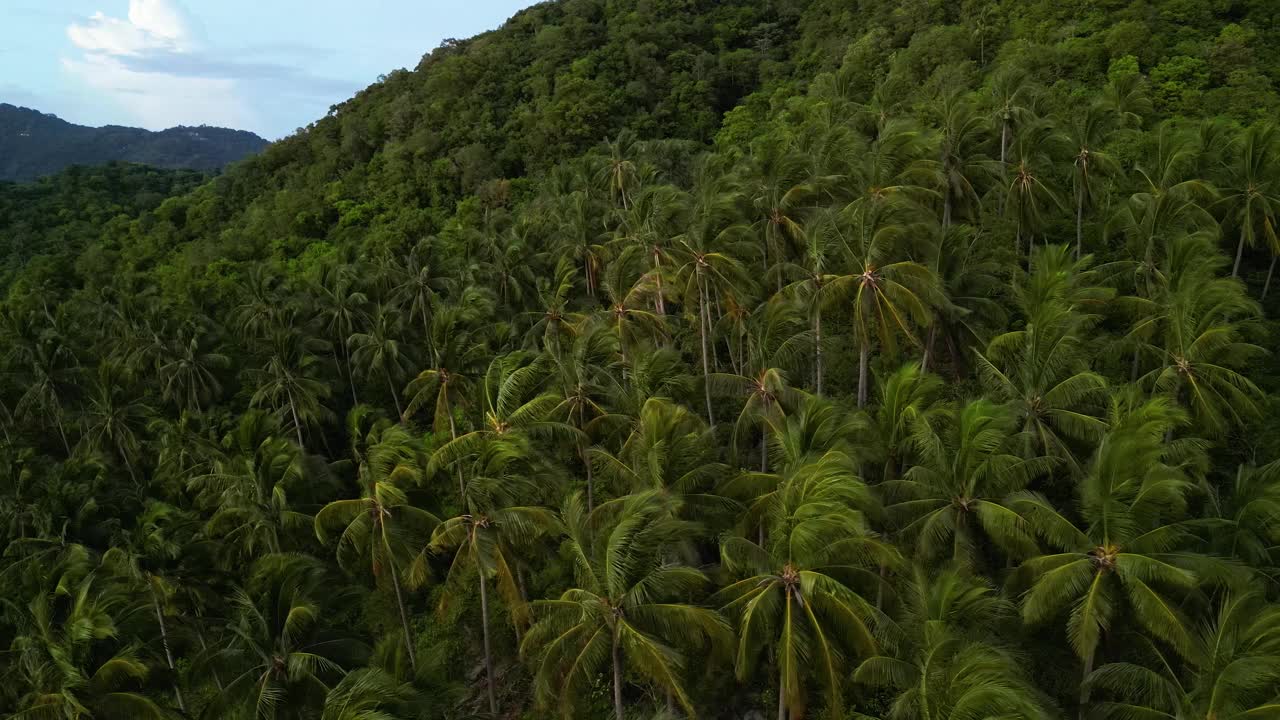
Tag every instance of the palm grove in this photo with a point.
(902, 402)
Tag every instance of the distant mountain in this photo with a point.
(33, 144)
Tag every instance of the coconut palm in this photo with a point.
(484, 537)
(1232, 671)
(628, 611)
(1129, 549)
(1087, 137)
(377, 351)
(800, 595)
(287, 382)
(946, 660)
(1252, 191)
(956, 498)
(381, 527)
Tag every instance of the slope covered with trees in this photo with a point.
(650, 359)
(33, 145)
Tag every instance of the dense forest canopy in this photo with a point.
(668, 359)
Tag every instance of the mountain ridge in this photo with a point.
(34, 144)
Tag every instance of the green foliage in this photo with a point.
(671, 358)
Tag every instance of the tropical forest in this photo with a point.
(639, 359)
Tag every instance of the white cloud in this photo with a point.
(112, 48)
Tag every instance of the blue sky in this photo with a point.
(269, 66)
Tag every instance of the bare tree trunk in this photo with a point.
(817, 349)
(391, 386)
(164, 640)
(1084, 684)
(702, 332)
(659, 305)
(782, 685)
(928, 347)
(204, 647)
(297, 426)
(1079, 222)
(864, 357)
(351, 378)
(1004, 152)
(404, 620)
(617, 677)
(1267, 285)
(488, 656)
(1235, 269)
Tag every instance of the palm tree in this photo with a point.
(582, 370)
(799, 595)
(628, 610)
(1233, 669)
(1198, 322)
(1129, 549)
(381, 527)
(283, 659)
(946, 662)
(909, 400)
(369, 694)
(1252, 192)
(246, 492)
(287, 380)
(1012, 98)
(1087, 136)
(1042, 369)
(958, 493)
(1032, 193)
(67, 663)
(340, 310)
(113, 420)
(889, 295)
(624, 304)
(668, 452)
(485, 536)
(378, 350)
(189, 378)
(1243, 517)
(962, 163)
(514, 406)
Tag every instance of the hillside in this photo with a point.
(673, 359)
(33, 144)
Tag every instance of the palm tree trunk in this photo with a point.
(297, 426)
(1084, 684)
(488, 656)
(404, 619)
(204, 647)
(1079, 222)
(817, 349)
(702, 333)
(1235, 269)
(168, 654)
(928, 347)
(351, 378)
(1267, 285)
(617, 676)
(1004, 152)
(864, 357)
(392, 387)
(782, 695)
(659, 305)
(63, 434)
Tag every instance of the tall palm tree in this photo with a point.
(378, 351)
(287, 381)
(946, 661)
(341, 308)
(1129, 549)
(381, 527)
(283, 658)
(628, 609)
(1087, 136)
(369, 694)
(888, 293)
(956, 497)
(485, 535)
(1252, 190)
(1232, 671)
(1042, 369)
(799, 595)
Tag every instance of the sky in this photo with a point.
(269, 66)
